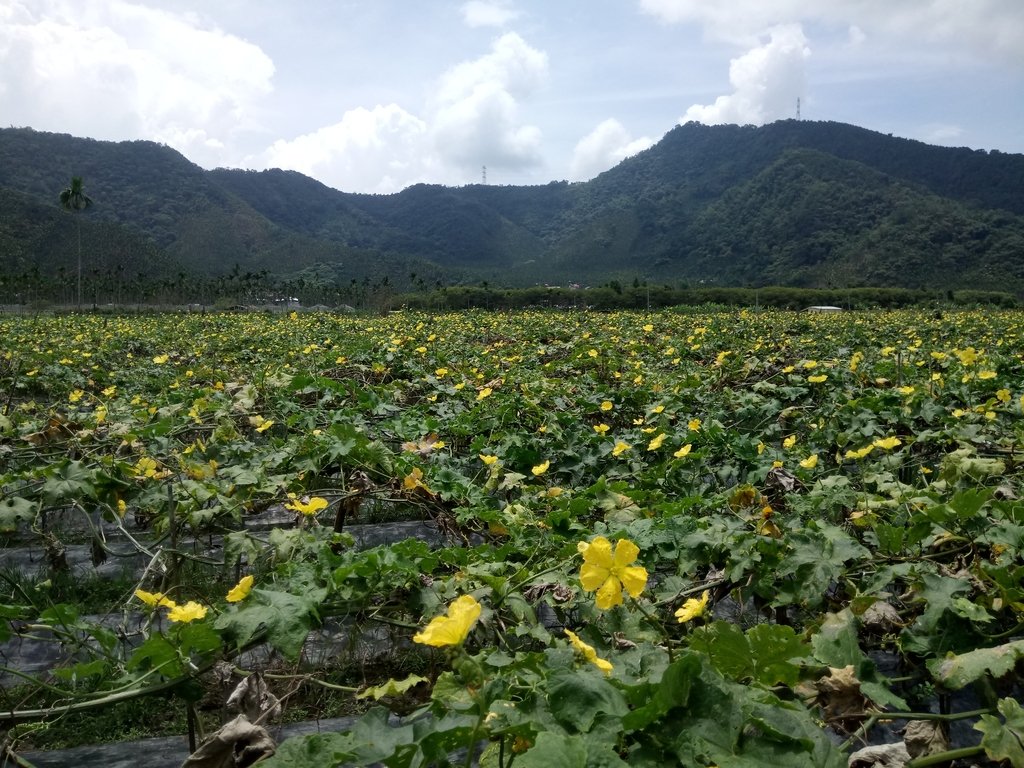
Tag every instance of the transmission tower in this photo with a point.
(797, 107)
(485, 174)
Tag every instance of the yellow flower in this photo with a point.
(441, 372)
(1003, 395)
(860, 453)
(887, 443)
(817, 379)
(414, 480)
(607, 405)
(241, 590)
(655, 444)
(648, 327)
(789, 442)
(967, 356)
(593, 352)
(620, 448)
(693, 608)
(453, 628)
(264, 424)
(161, 359)
(541, 468)
(987, 375)
(601, 428)
(484, 393)
(810, 462)
(684, 451)
(658, 409)
(186, 613)
(75, 396)
(310, 507)
(488, 459)
(693, 425)
(609, 573)
(122, 508)
(155, 599)
(907, 390)
(589, 653)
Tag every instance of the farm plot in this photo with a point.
(743, 539)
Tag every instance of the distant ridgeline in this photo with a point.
(793, 203)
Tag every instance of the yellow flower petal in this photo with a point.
(693, 608)
(634, 579)
(588, 652)
(625, 553)
(190, 611)
(241, 590)
(452, 628)
(609, 595)
(310, 507)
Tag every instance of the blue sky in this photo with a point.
(374, 95)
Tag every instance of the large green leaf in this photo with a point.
(1004, 740)
(14, 510)
(959, 670)
(285, 618)
(558, 751)
(578, 698)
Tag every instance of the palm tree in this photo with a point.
(74, 199)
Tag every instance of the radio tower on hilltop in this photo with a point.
(485, 174)
(797, 107)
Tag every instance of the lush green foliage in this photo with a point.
(791, 203)
(806, 494)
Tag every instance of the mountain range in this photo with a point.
(797, 203)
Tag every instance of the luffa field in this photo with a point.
(711, 539)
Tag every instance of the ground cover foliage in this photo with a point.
(741, 538)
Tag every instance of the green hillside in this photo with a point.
(794, 203)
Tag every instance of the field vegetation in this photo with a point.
(737, 538)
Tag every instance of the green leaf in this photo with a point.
(156, 653)
(558, 751)
(14, 510)
(318, 749)
(773, 648)
(959, 670)
(672, 691)
(763, 654)
(835, 644)
(286, 619)
(1004, 740)
(391, 688)
(68, 480)
(577, 698)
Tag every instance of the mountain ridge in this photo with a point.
(802, 203)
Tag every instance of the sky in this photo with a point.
(376, 95)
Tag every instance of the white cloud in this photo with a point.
(471, 120)
(980, 27)
(484, 13)
(119, 70)
(370, 150)
(475, 111)
(605, 146)
(941, 134)
(766, 82)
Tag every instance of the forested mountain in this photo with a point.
(790, 203)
